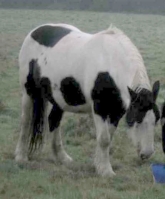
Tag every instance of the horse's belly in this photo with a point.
(86, 108)
(69, 95)
(79, 108)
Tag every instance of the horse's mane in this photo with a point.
(140, 79)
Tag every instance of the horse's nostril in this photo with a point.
(146, 154)
(143, 157)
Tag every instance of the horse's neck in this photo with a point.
(141, 80)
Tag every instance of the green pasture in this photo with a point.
(43, 179)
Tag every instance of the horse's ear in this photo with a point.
(155, 90)
(132, 94)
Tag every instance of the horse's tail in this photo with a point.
(35, 91)
(163, 126)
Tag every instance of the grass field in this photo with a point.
(41, 178)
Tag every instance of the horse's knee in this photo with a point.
(104, 139)
(56, 146)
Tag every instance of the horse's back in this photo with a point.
(56, 50)
(54, 46)
(63, 52)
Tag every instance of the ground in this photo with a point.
(41, 178)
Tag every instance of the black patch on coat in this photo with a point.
(46, 89)
(55, 117)
(33, 79)
(56, 112)
(163, 127)
(156, 112)
(107, 99)
(71, 92)
(49, 35)
(139, 107)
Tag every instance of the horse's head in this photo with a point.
(141, 118)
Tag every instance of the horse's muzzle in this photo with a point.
(147, 155)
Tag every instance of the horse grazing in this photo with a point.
(68, 70)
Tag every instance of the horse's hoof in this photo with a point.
(108, 174)
(20, 159)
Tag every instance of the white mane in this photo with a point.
(140, 79)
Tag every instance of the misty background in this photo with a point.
(132, 6)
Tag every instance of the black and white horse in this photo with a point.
(102, 73)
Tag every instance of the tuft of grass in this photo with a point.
(2, 106)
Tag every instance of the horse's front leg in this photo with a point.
(104, 131)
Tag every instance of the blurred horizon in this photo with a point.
(123, 6)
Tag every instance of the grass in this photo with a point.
(41, 178)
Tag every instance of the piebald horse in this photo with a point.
(72, 71)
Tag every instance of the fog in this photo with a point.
(133, 6)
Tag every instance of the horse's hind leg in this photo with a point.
(21, 153)
(57, 145)
(58, 149)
